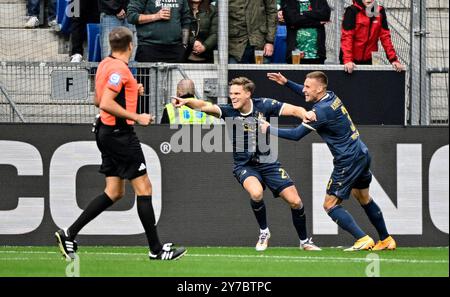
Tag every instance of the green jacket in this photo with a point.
(204, 28)
(159, 32)
(250, 20)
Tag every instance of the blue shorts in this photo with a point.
(268, 174)
(356, 175)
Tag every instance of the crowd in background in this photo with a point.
(186, 31)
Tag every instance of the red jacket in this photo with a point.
(360, 35)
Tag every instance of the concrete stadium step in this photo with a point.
(437, 4)
(52, 113)
(30, 45)
(12, 15)
(45, 98)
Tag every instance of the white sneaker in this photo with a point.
(77, 58)
(309, 245)
(263, 241)
(32, 22)
(52, 23)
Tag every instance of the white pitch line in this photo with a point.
(311, 258)
(263, 257)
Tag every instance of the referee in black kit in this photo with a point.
(122, 157)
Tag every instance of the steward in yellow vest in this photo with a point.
(186, 116)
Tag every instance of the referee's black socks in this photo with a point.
(147, 217)
(95, 207)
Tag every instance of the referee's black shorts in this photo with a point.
(121, 150)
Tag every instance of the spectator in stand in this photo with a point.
(113, 14)
(305, 23)
(203, 37)
(365, 23)
(280, 12)
(88, 14)
(33, 11)
(252, 26)
(162, 29)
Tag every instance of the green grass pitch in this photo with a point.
(225, 262)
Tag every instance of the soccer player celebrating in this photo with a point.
(351, 174)
(122, 156)
(253, 168)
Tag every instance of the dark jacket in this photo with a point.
(320, 12)
(360, 35)
(112, 7)
(159, 32)
(204, 29)
(253, 21)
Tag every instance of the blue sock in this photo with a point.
(345, 220)
(259, 209)
(376, 218)
(299, 220)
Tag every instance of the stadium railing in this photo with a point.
(62, 92)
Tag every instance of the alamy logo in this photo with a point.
(73, 8)
(73, 267)
(373, 268)
(242, 135)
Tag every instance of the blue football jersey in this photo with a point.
(243, 128)
(337, 129)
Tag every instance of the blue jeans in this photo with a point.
(33, 8)
(107, 23)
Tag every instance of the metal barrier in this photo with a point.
(30, 86)
(436, 108)
(9, 109)
(63, 92)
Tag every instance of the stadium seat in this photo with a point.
(93, 36)
(97, 50)
(60, 9)
(279, 52)
(63, 20)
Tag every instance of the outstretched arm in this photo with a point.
(298, 112)
(291, 134)
(283, 81)
(196, 104)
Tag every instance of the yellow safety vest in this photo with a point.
(185, 115)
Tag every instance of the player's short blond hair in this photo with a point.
(246, 83)
(320, 76)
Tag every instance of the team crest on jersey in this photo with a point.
(114, 79)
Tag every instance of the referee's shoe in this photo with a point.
(67, 246)
(168, 253)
